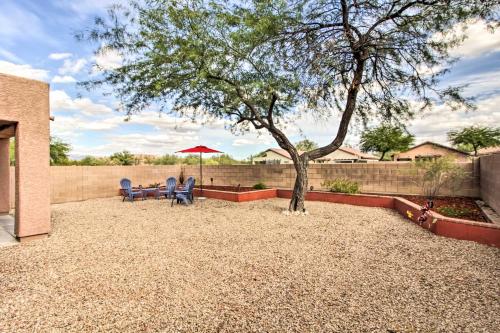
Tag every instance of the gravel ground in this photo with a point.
(226, 267)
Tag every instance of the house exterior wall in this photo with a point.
(490, 180)
(430, 149)
(26, 103)
(339, 155)
(271, 157)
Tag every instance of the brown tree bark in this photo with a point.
(297, 202)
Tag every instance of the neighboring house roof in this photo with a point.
(487, 151)
(358, 153)
(283, 152)
(435, 144)
(351, 151)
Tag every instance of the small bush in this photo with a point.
(259, 186)
(453, 211)
(341, 185)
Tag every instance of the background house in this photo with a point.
(431, 150)
(341, 155)
(488, 151)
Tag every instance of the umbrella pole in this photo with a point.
(201, 177)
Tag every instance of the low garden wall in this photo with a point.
(490, 180)
(485, 233)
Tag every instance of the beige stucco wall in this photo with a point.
(429, 149)
(490, 180)
(75, 183)
(26, 102)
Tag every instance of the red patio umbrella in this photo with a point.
(201, 150)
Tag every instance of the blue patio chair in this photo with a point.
(186, 194)
(168, 192)
(129, 192)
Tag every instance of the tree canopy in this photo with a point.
(385, 138)
(476, 137)
(59, 151)
(123, 158)
(306, 145)
(259, 63)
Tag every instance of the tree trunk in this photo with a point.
(297, 202)
(383, 155)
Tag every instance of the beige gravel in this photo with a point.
(226, 267)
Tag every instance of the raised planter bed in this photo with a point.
(481, 232)
(236, 194)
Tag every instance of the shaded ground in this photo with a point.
(224, 267)
(458, 207)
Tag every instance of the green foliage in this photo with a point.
(384, 139)
(259, 186)
(194, 159)
(123, 158)
(476, 137)
(342, 185)
(306, 145)
(436, 173)
(251, 63)
(59, 151)
(168, 159)
(12, 151)
(93, 161)
(452, 211)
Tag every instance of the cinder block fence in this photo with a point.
(74, 183)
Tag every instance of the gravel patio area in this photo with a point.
(244, 267)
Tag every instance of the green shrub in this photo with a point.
(259, 186)
(342, 185)
(453, 211)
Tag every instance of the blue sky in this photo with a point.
(36, 41)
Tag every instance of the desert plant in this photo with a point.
(434, 174)
(259, 186)
(342, 185)
(454, 211)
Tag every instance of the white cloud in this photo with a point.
(254, 140)
(72, 66)
(24, 71)
(60, 100)
(479, 40)
(59, 56)
(140, 143)
(10, 56)
(63, 79)
(18, 25)
(107, 59)
(164, 121)
(434, 125)
(71, 127)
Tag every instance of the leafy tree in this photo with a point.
(306, 145)
(476, 137)
(59, 151)
(253, 64)
(94, 161)
(167, 159)
(123, 158)
(385, 138)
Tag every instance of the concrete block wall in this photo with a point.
(490, 180)
(74, 183)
